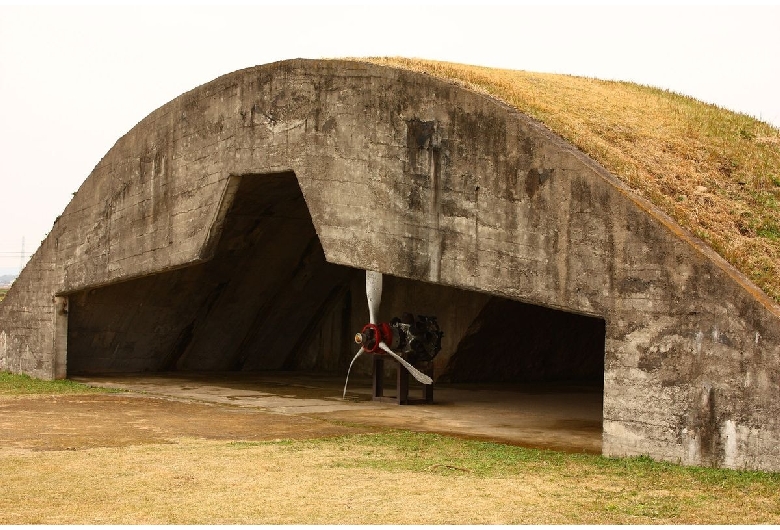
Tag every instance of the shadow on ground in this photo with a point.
(275, 405)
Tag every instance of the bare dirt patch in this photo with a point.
(72, 422)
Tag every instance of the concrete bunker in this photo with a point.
(443, 190)
(268, 300)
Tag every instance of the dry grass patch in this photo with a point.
(716, 172)
(392, 478)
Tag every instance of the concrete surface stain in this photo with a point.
(273, 405)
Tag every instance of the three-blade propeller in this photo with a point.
(374, 297)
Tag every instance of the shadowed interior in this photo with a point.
(264, 301)
(268, 300)
(511, 341)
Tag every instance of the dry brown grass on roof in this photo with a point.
(716, 172)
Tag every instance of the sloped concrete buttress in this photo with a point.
(425, 180)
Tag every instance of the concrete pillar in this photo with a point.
(60, 337)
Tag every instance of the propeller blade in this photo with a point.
(360, 351)
(373, 294)
(417, 374)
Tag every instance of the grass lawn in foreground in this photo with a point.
(390, 477)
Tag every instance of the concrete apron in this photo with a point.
(561, 417)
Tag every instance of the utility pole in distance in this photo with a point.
(21, 257)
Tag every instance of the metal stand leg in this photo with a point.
(378, 386)
(427, 390)
(401, 386)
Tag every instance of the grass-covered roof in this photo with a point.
(714, 171)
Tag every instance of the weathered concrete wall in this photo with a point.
(422, 179)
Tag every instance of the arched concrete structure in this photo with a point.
(424, 180)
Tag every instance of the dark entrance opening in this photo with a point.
(510, 341)
(267, 301)
(490, 339)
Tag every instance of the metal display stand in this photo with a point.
(402, 383)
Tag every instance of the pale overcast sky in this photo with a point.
(75, 79)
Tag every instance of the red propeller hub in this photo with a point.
(372, 334)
